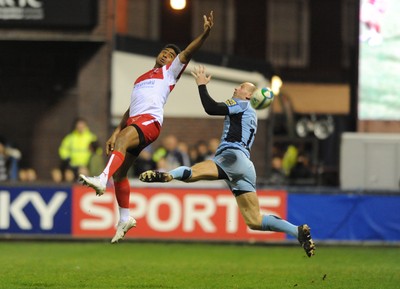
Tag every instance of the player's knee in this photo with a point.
(253, 225)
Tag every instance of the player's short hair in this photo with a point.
(174, 47)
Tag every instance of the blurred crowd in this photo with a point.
(172, 153)
(291, 165)
(81, 153)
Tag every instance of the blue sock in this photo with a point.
(276, 224)
(181, 173)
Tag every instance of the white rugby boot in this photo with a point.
(93, 182)
(122, 229)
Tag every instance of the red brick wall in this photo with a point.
(50, 77)
(379, 126)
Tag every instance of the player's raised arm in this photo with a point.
(188, 52)
(211, 107)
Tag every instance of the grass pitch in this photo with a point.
(172, 265)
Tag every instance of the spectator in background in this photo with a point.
(301, 171)
(277, 175)
(4, 163)
(289, 159)
(96, 160)
(170, 152)
(212, 147)
(27, 175)
(184, 149)
(202, 151)
(74, 152)
(143, 162)
(9, 158)
(62, 174)
(162, 165)
(193, 154)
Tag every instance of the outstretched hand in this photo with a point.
(199, 73)
(208, 21)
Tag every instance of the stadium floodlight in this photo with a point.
(276, 84)
(321, 128)
(178, 4)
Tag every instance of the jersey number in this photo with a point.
(251, 136)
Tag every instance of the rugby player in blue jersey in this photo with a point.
(232, 161)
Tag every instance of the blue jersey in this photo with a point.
(240, 126)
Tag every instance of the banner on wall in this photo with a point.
(174, 214)
(170, 213)
(347, 216)
(27, 210)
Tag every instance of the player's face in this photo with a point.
(166, 56)
(244, 91)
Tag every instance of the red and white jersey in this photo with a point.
(151, 90)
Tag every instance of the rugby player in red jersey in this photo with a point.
(141, 123)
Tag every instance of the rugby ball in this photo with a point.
(262, 98)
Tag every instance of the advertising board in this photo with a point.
(174, 213)
(194, 214)
(27, 210)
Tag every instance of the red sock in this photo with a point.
(122, 193)
(115, 161)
